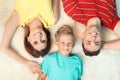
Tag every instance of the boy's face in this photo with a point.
(65, 44)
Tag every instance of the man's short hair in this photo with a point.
(90, 53)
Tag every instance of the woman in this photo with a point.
(34, 19)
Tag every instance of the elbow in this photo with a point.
(4, 48)
(56, 20)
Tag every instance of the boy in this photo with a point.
(62, 64)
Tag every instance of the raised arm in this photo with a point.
(94, 21)
(114, 44)
(5, 47)
(56, 9)
(9, 31)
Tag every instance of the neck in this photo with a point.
(35, 23)
(64, 54)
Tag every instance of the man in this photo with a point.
(92, 13)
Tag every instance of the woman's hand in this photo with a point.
(33, 66)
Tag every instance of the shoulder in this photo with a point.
(76, 56)
(51, 55)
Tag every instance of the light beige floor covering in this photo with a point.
(105, 66)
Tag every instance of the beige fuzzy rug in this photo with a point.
(105, 66)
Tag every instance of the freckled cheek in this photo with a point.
(70, 46)
(87, 39)
(31, 40)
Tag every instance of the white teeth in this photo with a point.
(94, 33)
(38, 33)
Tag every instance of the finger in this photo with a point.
(37, 65)
(38, 71)
(35, 72)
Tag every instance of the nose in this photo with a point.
(93, 40)
(66, 45)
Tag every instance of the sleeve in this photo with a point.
(80, 68)
(17, 5)
(45, 65)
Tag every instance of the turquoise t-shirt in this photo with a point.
(60, 67)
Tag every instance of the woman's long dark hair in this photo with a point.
(29, 48)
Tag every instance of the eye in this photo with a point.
(70, 43)
(43, 41)
(97, 43)
(88, 42)
(35, 43)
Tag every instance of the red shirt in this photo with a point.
(83, 10)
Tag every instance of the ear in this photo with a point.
(83, 35)
(56, 42)
(28, 39)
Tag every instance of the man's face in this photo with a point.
(92, 39)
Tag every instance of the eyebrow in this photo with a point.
(89, 42)
(97, 43)
(42, 41)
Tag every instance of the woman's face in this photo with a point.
(37, 38)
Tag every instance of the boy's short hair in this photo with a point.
(65, 29)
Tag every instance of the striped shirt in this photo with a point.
(83, 10)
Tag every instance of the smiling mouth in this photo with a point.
(94, 33)
(38, 33)
(66, 49)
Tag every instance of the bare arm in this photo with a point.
(5, 47)
(115, 44)
(56, 9)
(94, 21)
(42, 76)
(9, 31)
